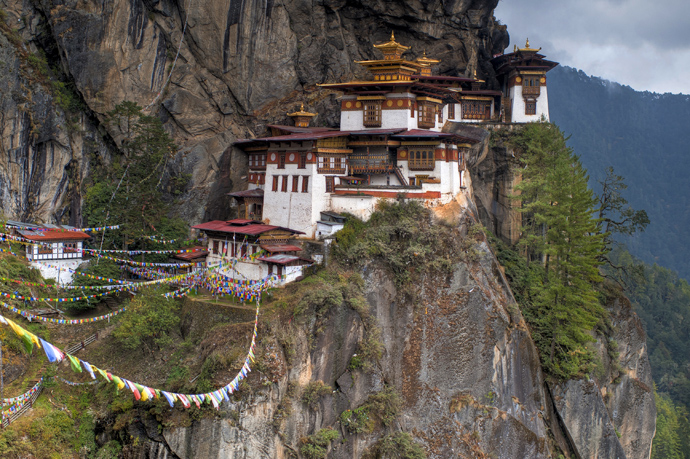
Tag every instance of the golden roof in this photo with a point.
(301, 112)
(528, 49)
(425, 61)
(392, 49)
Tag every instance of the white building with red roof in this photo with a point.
(55, 251)
(251, 250)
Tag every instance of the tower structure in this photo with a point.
(522, 75)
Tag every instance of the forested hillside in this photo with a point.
(644, 137)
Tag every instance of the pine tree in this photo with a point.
(127, 190)
(561, 233)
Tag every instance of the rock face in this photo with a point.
(241, 64)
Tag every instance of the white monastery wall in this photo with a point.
(518, 106)
(360, 206)
(57, 269)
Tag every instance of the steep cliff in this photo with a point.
(212, 71)
(610, 413)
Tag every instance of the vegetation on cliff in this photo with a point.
(127, 191)
(556, 280)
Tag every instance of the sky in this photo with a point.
(640, 43)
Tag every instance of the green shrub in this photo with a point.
(313, 392)
(316, 446)
(399, 446)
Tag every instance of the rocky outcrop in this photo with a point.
(241, 64)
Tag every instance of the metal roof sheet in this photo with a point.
(277, 248)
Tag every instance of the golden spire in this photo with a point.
(392, 50)
(301, 117)
(527, 48)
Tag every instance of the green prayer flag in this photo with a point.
(74, 363)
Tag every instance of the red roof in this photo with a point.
(254, 193)
(280, 248)
(198, 252)
(280, 259)
(296, 137)
(251, 229)
(55, 235)
(422, 133)
(298, 129)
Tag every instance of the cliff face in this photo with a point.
(611, 413)
(241, 64)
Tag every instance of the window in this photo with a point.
(421, 160)
(476, 109)
(530, 107)
(262, 178)
(451, 111)
(440, 113)
(531, 85)
(295, 183)
(283, 187)
(257, 161)
(426, 115)
(330, 184)
(302, 161)
(305, 184)
(275, 183)
(281, 161)
(216, 244)
(372, 113)
(334, 164)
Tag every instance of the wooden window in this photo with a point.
(372, 113)
(451, 111)
(531, 85)
(305, 184)
(302, 161)
(283, 187)
(281, 161)
(426, 115)
(330, 184)
(275, 183)
(262, 160)
(332, 164)
(440, 113)
(295, 183)
(262, 178)
(421, 160)
(530, 107)
(216, 245)
(476, 109)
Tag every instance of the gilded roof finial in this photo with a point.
(527, 43)
(301, 107)
(392, 36)
(514, 48)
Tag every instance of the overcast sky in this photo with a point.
(641, 43)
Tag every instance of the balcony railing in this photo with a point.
(421, 164)
(531, 90)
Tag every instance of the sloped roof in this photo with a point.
(54, 235)
(198, 252)
(278, 248)
(238, 227)
(254, 193)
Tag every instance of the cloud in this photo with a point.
(635, 42)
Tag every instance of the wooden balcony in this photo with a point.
(531, 90)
